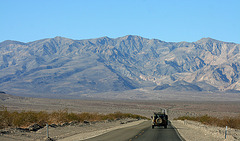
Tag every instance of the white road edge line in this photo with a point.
(179, 135)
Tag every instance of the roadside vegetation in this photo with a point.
(233, 122)
(26, 118)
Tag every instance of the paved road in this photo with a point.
(141, 132)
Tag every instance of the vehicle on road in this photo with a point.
(160, 119)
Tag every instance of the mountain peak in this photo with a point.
(206, 40)
(105, 37)
(7, 42)
(58, 37)
(61, 38)
(131, 37)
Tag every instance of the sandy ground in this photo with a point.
(195, 131)
(141, 107)
(189, 130)
(163, 95)
(70, 132)
(87, 135)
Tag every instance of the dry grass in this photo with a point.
(26, 118)
(233, 122)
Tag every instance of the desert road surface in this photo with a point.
(141, 132)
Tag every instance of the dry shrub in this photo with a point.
(74, 117)
(233, 122)
(119, 115)
(59, 116)
(26, 118)
(5, 117)
(86, 116)
(43, 118)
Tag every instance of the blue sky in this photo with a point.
(167, 20)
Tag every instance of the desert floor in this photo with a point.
(146, 108)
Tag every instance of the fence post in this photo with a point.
(47, 131)
(226, 133)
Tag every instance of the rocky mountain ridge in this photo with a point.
(65, 66)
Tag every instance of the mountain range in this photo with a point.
(65, 66)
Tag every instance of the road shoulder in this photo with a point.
(88, 135)
(191, 130)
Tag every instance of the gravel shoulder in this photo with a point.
(189, 130)
(91, 134)
(74, 132)
(195, 131)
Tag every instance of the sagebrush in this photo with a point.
(233, 122)
(26, 118)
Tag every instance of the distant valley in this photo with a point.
(62, 66)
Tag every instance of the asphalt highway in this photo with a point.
(141, 132)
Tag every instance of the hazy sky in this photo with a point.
(167, 20)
